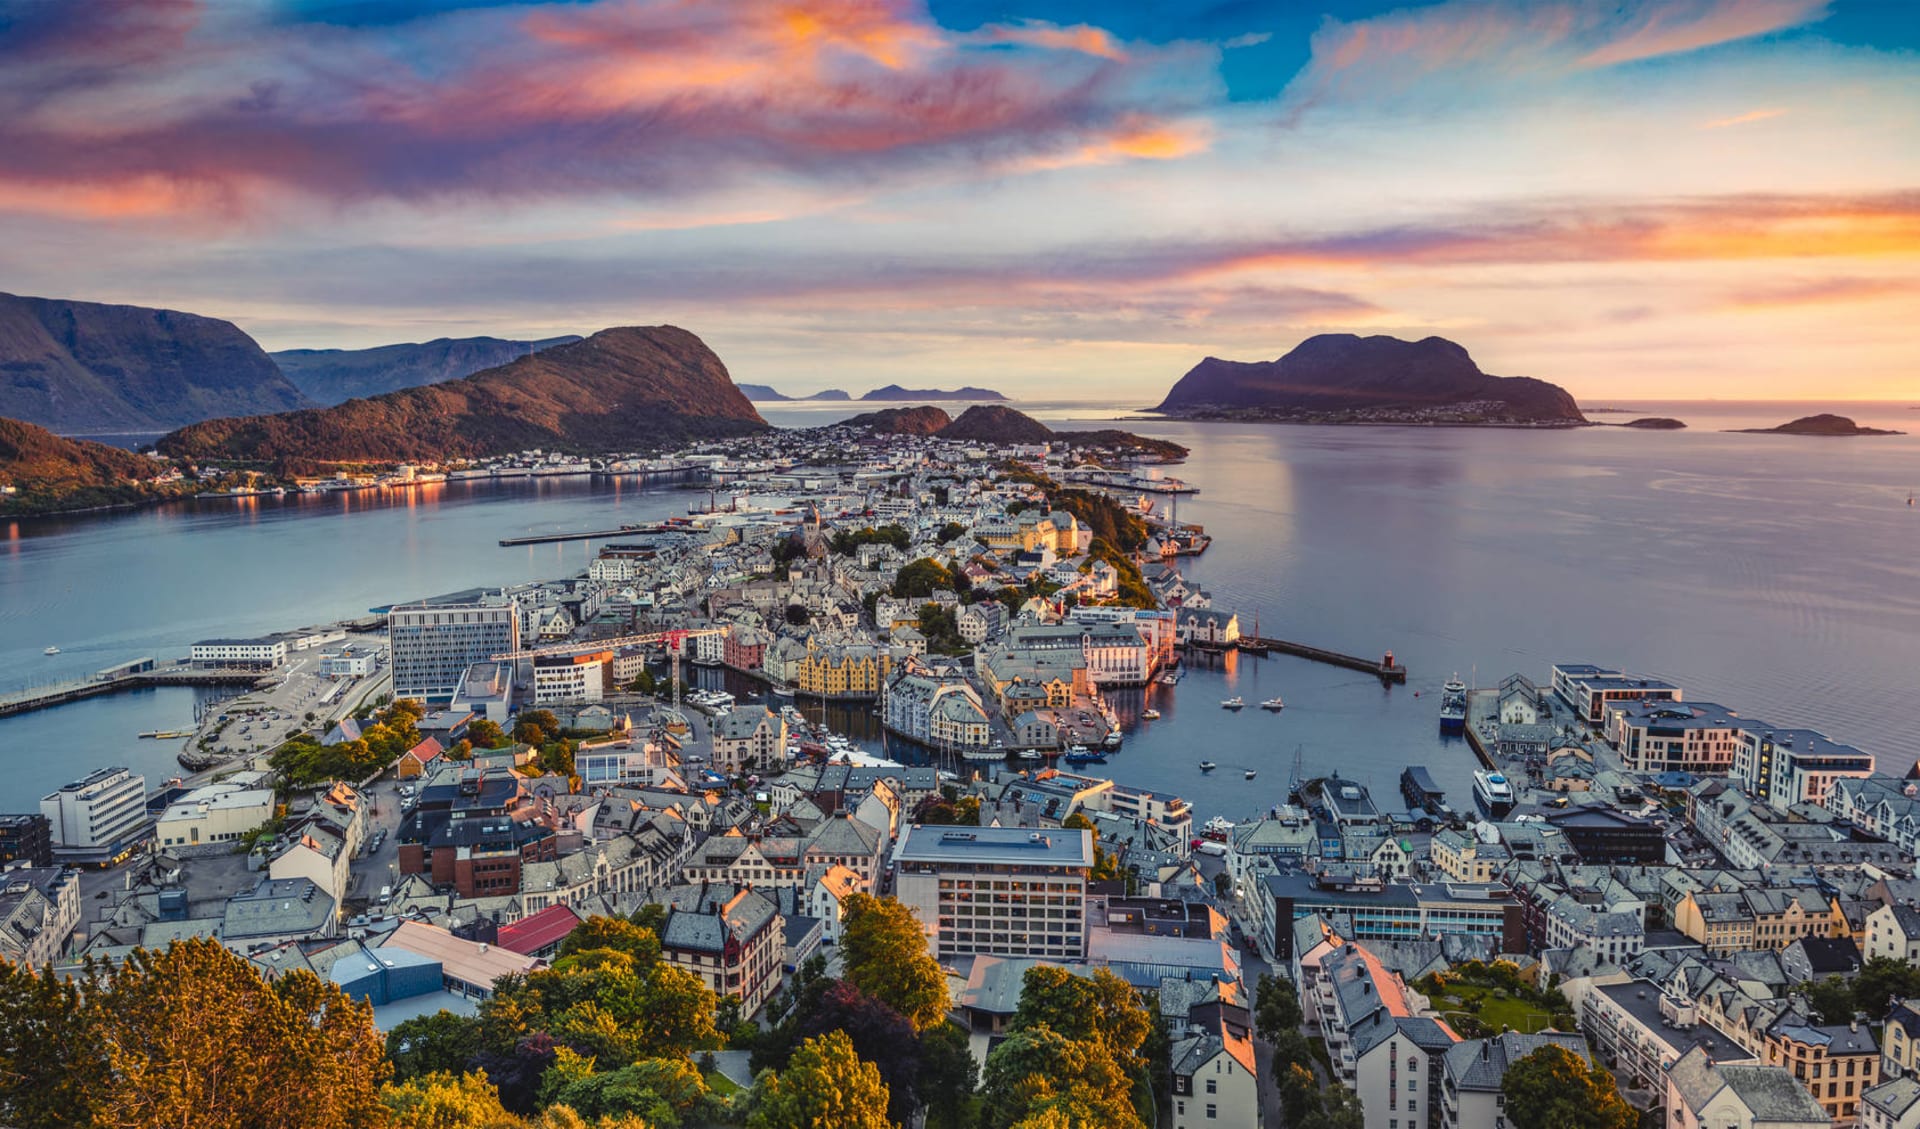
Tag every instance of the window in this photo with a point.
(1212, 1086)
(1212, 1110)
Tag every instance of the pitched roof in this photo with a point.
(531, 934)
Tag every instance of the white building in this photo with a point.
(1215, 1080)
(1784, 767)
(431, 645)
(1893, 931)
(1005, 891)
(749, 739)
(100, 817)
(570, 678)
(346, 666)
(1474, 1070)
(247, 654)
(1702, 1094)
(1399, 1062)
(486, 690)
(216, 813)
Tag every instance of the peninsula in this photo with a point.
(1343, 378)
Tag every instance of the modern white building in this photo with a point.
(1006, 891)
(245, 654)
(216, 813)
(486, 690)
(432, 644)
(570, 678)
(1784, 767)
(346, 666)
(100, 817)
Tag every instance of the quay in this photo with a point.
(1385, 669)
(581, 535)
(126, 676)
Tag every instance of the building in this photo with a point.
(1590, 689)
(39, 909)
(238, 654)
(431, 645)
(1703, 1094)
(1399, 1069)
(215, 813)
(1382, 911)
(732, 938)
(749, 739)
(1783, 767)
(26, 838)
(570, 678)
(1758, 917)
(979, 622)
(346, 666)
(99, 818)
(275, 912)
(850, 671)
(1640, 1030)
(467, 968)
(1664, 735)
(1206, 627)
(486, 690)
(1603, 835)
(1893, 932)
(935, 708)
(1837, 1064)
(1891, 1105)
(1900, 1055)
(1005, 891)
(1881, 807)
(1215, 1079)
(1473, 1072)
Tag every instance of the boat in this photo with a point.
(1274, 703)
(1029, 755)
(1493, 793)
(1111, 740)
(1080, 754)
(51, 651)
(1234, 704)
(1208, 766)
(1169, 680)
(1218, 829)
(1150, 714)
(1251, 774)
(1453, 705)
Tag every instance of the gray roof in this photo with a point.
(996, 846)
(1893, 1098)
(1481, 1064)
(274, 908)
(1772, 1093)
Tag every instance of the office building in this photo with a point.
(1005, 891)
(26, 838)
(239, 654)
(432, 644)
(100, 818)
(570, 678)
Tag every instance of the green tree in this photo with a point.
(487, 734)
(951, 531)
(1881, 981)
(1554, 1088)
(1339, 1109)
(947, 1075)
(195, 1036)
(1101, 1009)
(52, 1069)
(825, 1086)
(597, 932)
(1276, 1007)
(664, 1092)
(884, 952)
(441, 1043)
(922, 578)
(445, 1101)
(1832, 998)
(1037, 1069)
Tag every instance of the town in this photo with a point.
(476, 810)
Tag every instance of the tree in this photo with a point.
(825, 1086)
(516, 1071)
(951, 532)
(441, 1043)
(884, 952)
(617, 933)
(1276, 1007)
(663, 1092)
(536, 727)
(195, 1036)
(1832, 998)
(1101, 1009)
(797, 615)
(487, 734)
(51, 1058)
(1881, 981)
(921, 578)
(1037, 1069)
(445, 1101)
(947, 1074)
(1554, 1088)
(879, 1035)
(1339, 1109)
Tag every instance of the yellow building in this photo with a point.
(1761, 918)
(1835, 1063)
(849, 672)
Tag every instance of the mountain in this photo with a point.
(84, 366)
(829, 394)
(1823, 424)
(895, 392)
(328, 376)
(50, 473)
(991, 423)
(902, 421)
(1338, 377)
(621, 389)
(761, 393)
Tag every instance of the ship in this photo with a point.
(51, 651)
(1274, 703)
(1493, 793)
(1219, 829)
(1208, 766)
(1453, 705)
(1233, 704)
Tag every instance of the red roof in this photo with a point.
(425, 751)
(529, 935)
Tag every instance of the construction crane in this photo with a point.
(675, 641)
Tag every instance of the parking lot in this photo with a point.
(299, 697)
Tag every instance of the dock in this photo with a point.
(1385, 669)
(127, 676)
(582, 535)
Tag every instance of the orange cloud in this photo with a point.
(1084, 38)
(1742, 119)
(1823, 292)
(1675, 28)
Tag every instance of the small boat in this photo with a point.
(1168, 680)
(1274, 704)
(1029, 755)
(1111, 740)
(1219, 829)
(1150, 714)
(1208, 766)
(51, 651)
(1080, 754)
(1234, 704)
(1251, 774)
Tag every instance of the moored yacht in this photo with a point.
(1493, 793)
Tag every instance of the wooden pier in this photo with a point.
(1385, 669)
(126, 677)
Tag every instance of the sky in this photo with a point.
(1062, 199)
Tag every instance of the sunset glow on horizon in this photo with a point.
(1678, 199)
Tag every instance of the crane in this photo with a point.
(675, 641)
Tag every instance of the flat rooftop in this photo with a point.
(996, 846)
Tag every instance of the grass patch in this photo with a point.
(1491, 1008)
(721, 1084)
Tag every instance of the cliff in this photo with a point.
(1339, 377)
(83, 366)
(621, 389)
(328, 376)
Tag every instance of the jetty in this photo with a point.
(1385, 669)
(582, 535)
(126, 676)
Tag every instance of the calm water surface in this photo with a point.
(1778, 576)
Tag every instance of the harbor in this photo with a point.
(131, 675)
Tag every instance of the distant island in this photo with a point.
(1343, 378)
(329, 376)
(895, 392)
(76, 366)
(1654, 423)
(617, 390)
(762, 393)
(1826, 424)
(992, 423)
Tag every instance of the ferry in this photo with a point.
(1493, 793)
(1274, 703)
(51, 651)
(1219, 828)
(1234, 704)
(1150, 714)
(1453, 705)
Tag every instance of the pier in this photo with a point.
(1385, 669)
(126, 676)
(582, 535)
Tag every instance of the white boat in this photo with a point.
(1251, 774)
(1493, 793)
(51, 651)
(1208, 766)
(1029, 755)
(1234, 704)
(1218, 828)
(1274, 703)
(1150, 714)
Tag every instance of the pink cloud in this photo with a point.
(1083, 38)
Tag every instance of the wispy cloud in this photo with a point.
(1820, 292)
(1742, 119)
(1083, 38)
